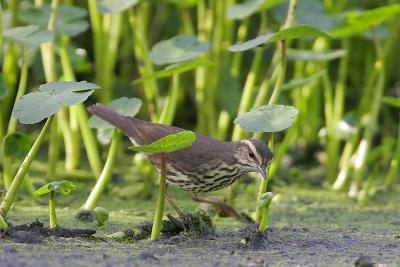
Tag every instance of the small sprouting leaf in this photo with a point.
(101, 215)
(125, 106)
(64, 187)
(293, 32)
(307, 55)
(28, 36)
(392, 101)
(115, 6)
(356, 21)
(69, 20)
(177, 49)
(175, 69)
(169, 143)
(265, 199)
(268, 118)
(36, 106)
(3, 89)
(296, 83)
(16, 145)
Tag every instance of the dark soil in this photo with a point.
(35, 232)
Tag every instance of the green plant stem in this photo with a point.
(105, 175)
(263, 187)
(52, 210)
(23, 169)
(168, 112)
(70, 153)
(365, 143)
(3, 224)
(264, 221)
(54, 149)
(12, 125)
(237, 57)
(157, 222)
(394, 165)
(223, 125)
(140, 45)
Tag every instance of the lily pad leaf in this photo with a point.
(17, 145)
(64, 187)
(243, 10)
(69, 20)
(175, 69)
(307, 55)
(392, 101)
(115, 6)
(125, 106)
(177, 49)
(169, 143)
(289, 33)
(34, 107)
(28, 36)
(296, 83)
(265, 199)
(268, 118)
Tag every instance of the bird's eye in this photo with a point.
(251, 155)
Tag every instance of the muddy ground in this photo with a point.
(308, 227)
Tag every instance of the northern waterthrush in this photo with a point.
(207, 165)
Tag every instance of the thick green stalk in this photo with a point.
(157, 222)
(23, 169)
(12, 125)
(3, 224)
(365, 143)
(54, 149)
(105, 175)
(223, 125)
(237, 57)
(263, 186)
(281, 78)
(52, 210)
(140, 45)
(70, 163)
(264, 221)
(394, 164)
(168, 112)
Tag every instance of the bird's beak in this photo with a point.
(262, 170)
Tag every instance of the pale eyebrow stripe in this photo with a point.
(252, 147)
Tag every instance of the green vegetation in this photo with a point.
(316, 80)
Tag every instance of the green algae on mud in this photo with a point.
(307, 227)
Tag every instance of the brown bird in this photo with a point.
(206, 166)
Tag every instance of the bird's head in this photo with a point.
(254, 155)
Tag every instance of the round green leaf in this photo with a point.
(115, 6)
(68, 21)
(308, 55)
(36, 106)
(268, 118)
(265, 199)
(101, 215)
(392, 101)
(177, 49)
(169, 143)
(64, 187)
(175, 69)
(17, 145)
(289, 33)
(125, 106)
(28, 36)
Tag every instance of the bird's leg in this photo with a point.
(173, 205)
(224, 207)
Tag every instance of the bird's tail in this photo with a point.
(114, 118)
